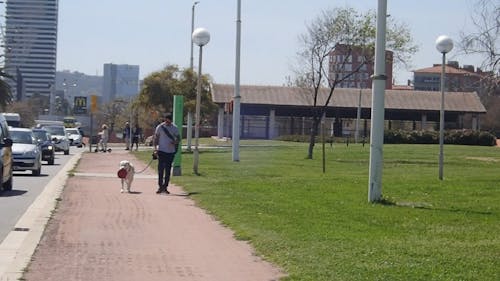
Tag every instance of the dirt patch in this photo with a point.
(486, 159)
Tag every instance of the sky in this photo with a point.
(156, 33)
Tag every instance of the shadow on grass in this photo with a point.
(426, 206)
(186, 194)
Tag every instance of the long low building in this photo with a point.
(271, 111)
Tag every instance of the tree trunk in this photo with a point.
(312, 139)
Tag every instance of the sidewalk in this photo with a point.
(98, 233)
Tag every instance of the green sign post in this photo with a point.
(178, 121)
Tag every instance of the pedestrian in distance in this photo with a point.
(137, 136)
(104, 138)
(165, 143)
(126, 135)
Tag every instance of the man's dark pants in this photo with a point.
(164, 166)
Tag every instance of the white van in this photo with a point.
(13, 119)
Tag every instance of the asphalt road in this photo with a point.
(25, 190)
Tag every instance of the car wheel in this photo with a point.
(7, 185)
(37, 172)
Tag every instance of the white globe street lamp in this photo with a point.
(200, 37)
(444, 45)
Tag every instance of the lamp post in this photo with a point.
(51, 99)
(378, 107)
(192, 30)
(237, 96)
(67, 95)
(444, 45)
(200, 37)
(189, 131)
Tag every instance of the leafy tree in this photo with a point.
(159, 88)
(345, 30)
(484, 40)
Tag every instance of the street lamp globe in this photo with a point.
(444, 44)
(201, 36)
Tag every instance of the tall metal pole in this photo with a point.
(196, 155)
(441, 119)
(51, 100)
(192, 29)
(189, 131)
(377, 116)
(237, 97)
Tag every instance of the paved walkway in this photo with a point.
(98, 233)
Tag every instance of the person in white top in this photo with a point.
(104, 138)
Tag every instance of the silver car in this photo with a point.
(26, 153)
(59, 137)
(74, 136)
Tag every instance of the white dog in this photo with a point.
(130, 175)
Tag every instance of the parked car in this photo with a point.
(26, 153)
(59, 137)
(6, 155)
(74, 136)
(13, 119)
(44, 140)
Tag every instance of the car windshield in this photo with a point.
(21, 137)
(55, 130)
(72, 131)
(41, 135)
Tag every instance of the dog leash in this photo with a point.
(151, 161)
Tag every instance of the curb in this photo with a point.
(20, 244)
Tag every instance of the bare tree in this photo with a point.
(5, 91)
(345, 31)
(484, 41)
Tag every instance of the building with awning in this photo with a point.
(271, 111)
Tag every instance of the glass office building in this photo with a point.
(30, 43)
(120, 81)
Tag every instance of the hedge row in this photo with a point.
(463, 137)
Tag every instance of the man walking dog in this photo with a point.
(165, 144)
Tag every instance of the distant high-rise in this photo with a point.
(120, 81)
(31, 46)
(344, 60)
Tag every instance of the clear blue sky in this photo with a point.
(154, 33)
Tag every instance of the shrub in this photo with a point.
(463, 137)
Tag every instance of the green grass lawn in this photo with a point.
(320, 226)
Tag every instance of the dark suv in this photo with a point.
(44, 140)
(5, 156)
